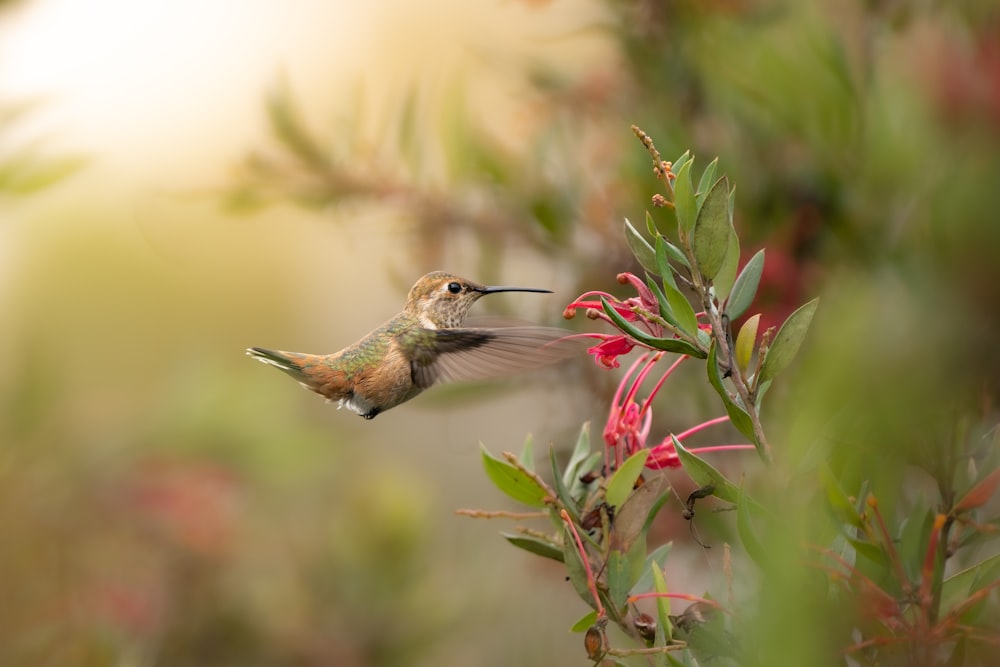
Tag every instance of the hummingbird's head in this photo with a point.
(442, 300)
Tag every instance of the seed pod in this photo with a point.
(646, 626)
(593, 642)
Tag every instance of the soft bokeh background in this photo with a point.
(179, 180)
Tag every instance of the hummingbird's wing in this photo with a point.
(450, 355)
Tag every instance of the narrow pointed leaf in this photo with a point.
(683, 312)
(842, 507)
(535, 546)
(662, 605)
(579, 455)
(685, 204)
(748, 536)
(666, 344)
(664, 254)
(745, 341)
(675, 253)
(631, 519)
(512, 481)
(618, 579)
(723, 282)
(871, 552)
(737, 415)
(704, 473)
(527, 457)
(959, 586)
(584, 623)
(650, 225)
(745, 288)
(575, 570)
(665, 311)
(623, 480)
(787, 341)
(640, 248)
(656, 559)
(707, 179)
(578, 489)
(562, 490)
(712, 230)
(663, 268)
(676, 165)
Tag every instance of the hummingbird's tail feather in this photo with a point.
(300, 366)
(309, 370)
(283, 360)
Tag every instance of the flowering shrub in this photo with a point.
(602, 504)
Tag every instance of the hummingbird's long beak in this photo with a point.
(503, 288)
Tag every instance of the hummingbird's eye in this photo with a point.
(454, 288)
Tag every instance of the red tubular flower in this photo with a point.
(664, 455)
(596, 310)
(646, 298)
(646, 305)
(606, 354)
(629, 418)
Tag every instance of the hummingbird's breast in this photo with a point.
(378, 370)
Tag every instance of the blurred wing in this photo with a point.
(453, 355)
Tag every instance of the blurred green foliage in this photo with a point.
(24, 167)
(151, 512)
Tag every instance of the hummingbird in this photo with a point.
(424, 344)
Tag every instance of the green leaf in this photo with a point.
(787, 341)
(667, 344)
(662, 605)
(685, 204)
(25, 173)
(842, 507)
(623, 480)
(584, 623)
(656, 559)
(512, 481)
(632, 519)
(914, 532)
(575, 570)
(704, 473)
(577, 489)
(666, 251)
(289, 129)
(676, 254)
(723, 282)
(579, 455)
(737, 415)
(745, 288)
(707, 178)
(748, 536)
(640, 248)
(870, 551)
(562, 491)
(679, 162)
(665, 311)
(745, 341)
(684, 314)
(535, 546)
(527, 457)
(959, 586)
(712, 230)
(618, 578)
(650, 225)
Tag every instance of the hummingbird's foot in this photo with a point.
(371, 413)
